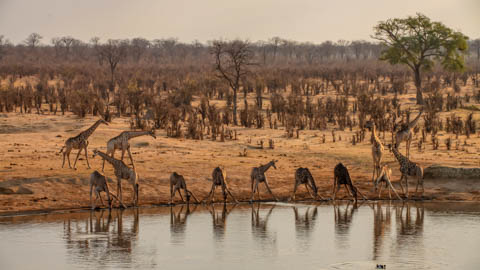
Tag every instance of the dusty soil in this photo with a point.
(31, 177)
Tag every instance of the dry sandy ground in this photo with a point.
(30, 145)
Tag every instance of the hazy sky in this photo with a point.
(300, 20)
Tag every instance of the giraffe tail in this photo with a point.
(61, 150)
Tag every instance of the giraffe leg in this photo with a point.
(75, 163)
(228, 191)
(171, 193)
(213, 193)
(401, 183)
(406, 185)
(107, 190)
(179, 193)
(86, 156)
(269, 190)
(348, 190)
(380, 191)
(224, 193)
(63, 163)
(255, 186)
(120, 192)
(123, 154)
(311, 195)
(335, 191)
(294, 191)
(91, 191)
(100, 196)
(131, 157)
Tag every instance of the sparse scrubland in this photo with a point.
(302, 104)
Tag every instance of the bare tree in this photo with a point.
(113, 51)
(232, 59)
(33, 40)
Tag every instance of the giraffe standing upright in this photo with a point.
(406, 134)
(79, 142)
(377, 153)
(408, 168)
(258, 175)
(121, 142)
(122, 171)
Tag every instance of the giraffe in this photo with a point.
(406, 133)
(377, 153)
(121, 142)
(385, 177)
(79, 142)
(258, 175)
(122, 171)
(303, 176)
(98, 183)
(342, 177)
(408, 168)
(177, 182)
(219, 178)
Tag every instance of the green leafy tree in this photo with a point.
(418, 43)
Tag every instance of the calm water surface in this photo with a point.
(267, 236)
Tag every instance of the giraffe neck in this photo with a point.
(401, 159)
(133, 134)
(90, 130)
(415, 121)
(265, 167)
(106, 157)
(375, 137)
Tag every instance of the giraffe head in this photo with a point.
(95, 152)
(273, 163)
(102, 121)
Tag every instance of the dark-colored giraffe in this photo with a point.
(303, 176)
(79, 142)
(121, 171)
(342, 177)
(408, 168)
(258, 176)
(121, 142)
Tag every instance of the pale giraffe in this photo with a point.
(122, 171)
(342, 177)
(121, 142)
(303, 176)
(408, 168)
(98, 183)
(406, 134)
(385, 177)
(219, 178)
(79, 142)
(258, 175)
(377, 153)
(177, 182)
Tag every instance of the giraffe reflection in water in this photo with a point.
(103, 234)
(220, 219)
(382, 221)
(178, 220)
(267, 239)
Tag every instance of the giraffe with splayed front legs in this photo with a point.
(177, 182)
(121, 171)
(341, 176)
(303, 176)
(386, 178)
(79, 142)
(121, 142)
(219, 178)
(405, 134)
(258, 176)
(408, 168)
(377, 153)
